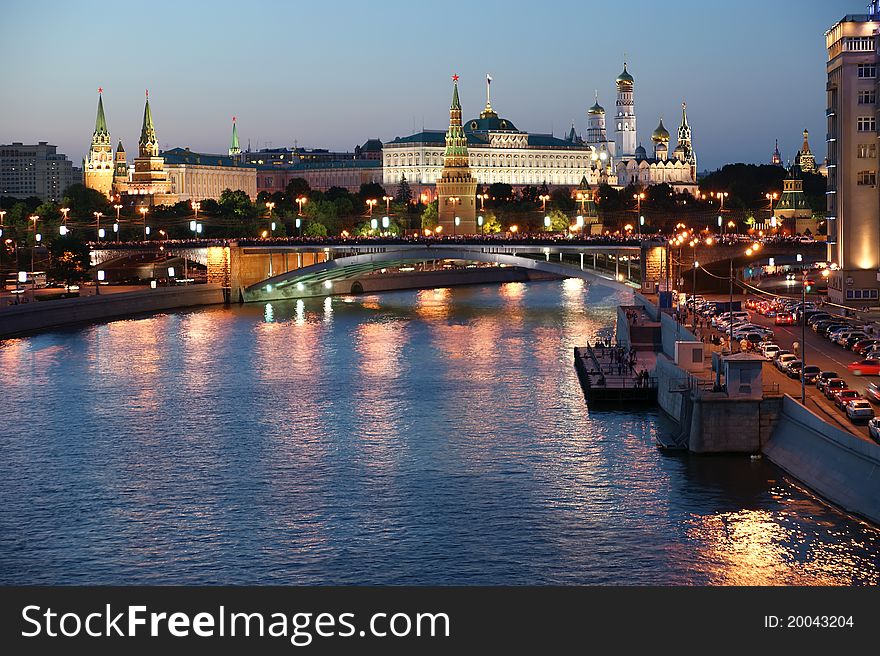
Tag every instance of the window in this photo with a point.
(866, 124)
(860, 43)
(866, 178)
(867, 96)
(861, 294)
(867, 70)
(866, 151)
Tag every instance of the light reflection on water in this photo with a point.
(437, 436)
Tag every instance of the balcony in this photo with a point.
(831, 111)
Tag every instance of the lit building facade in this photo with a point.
(853, 201)
(197, 176)
(792, 211)
(457, 188)
(98, 165)
(35, 170)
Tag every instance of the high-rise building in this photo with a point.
(625, 130)
(776, 158)
(853, 207)
(98, 165)
(457, 188)
(35, 170)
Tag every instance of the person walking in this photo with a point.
(796, 349)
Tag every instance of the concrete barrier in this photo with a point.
(834, 463)
(41, 315)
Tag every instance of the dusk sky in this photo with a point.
(333, 74)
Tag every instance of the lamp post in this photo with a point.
(454, 200)
(547, 223)
(98, 216)
(298, 224)
(770, 198)
(143, 210)
(482, 198)
(388, 200)
(455, 223)
(117, 207)
(371, 202)
(803, 336)
(480, 223)
(299, 201)
(62, 229)
(270, 206)
(639, 197)
(37, 237)
(694, 293)
(581, 198)
(543, 198)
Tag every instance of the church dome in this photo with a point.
(625, 77)
(596, 109)
(486, 123)
(641, 153)
(661, 133)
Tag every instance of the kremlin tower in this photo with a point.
(457, 188)
(98, 166)
(149, 176)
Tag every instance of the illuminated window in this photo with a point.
(866, 151)
(866, 178)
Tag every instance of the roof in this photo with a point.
(624, 76)
(434, 137)
(317, 166)
(596, 108)
(494, 123)
(372, 145)
(186, 156)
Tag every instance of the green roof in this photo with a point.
(317, 166)
(494, 123)
(100, 121)
(186, 156)
(625, 76)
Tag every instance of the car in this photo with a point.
(818, 316)
(844, 396)
(874, 429)
(833, 328)
(823, 378)
(833, 385)
(872, 392)
(859, 410)
(806, 240)
(783, 360)
(822, 324)
(843, 337)
(867, 367)
(784, 319)
(810, 373)
(865, 345)
(852, 338)
(769, 350)
(793, 369)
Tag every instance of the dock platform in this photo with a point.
(607, 381)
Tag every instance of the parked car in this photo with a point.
(769, 350)
(874, 429)
(865, 345)
(816, 318)
(793, 369)
(833, 385)
(783, 360)
(844, 396)
(859, 410)
(823, 378)
(810, 373)
(867, 367)
(853, 338)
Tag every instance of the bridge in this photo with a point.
(256, 270)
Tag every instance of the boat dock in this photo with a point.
(607, 377)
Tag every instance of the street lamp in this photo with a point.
(455, 223)
(482, 198)
(386, 223)
(543, 198)
(298, 224)
(546, 223)
(117, 207)
(581, 198)
(721, 195)
(270, 206)
(98, 216)
(480, 223)
(370, 203)
(770, 198)
(143, 210)
(387, 200)
(299, 202)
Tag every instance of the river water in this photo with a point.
(417, 437)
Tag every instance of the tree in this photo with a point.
(404, 193)
(315, 229)
(500, 191)
(529, 194)
(84, 202)
(491, 223)
(236, 205)
(335, 193)
(371, 190)
(562, 199)
(297, 187)
(430, 215)
(558, 220)
(70, 259)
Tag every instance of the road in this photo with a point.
(820, 352)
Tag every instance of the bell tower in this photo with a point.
(625, 121)
(457, 188)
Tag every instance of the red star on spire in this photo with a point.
(455, 78)
(100, 89)
(233, 119)
(147, 91)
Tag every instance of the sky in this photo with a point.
(332, 74)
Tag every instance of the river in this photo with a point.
(415, 437)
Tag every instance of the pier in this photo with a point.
(610, 374)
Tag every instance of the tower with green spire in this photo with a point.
(456, 188)
(98, 165)
(234, 148)
(120, 171)
(149, 177)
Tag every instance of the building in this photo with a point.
(776, 159)
(497, 152)
(597, 137)
(804, 158)
(150, 178)
(349, 174)
(678, 169)
(98, 166)
(35, 170)
(197, 176)
(457, 187)
(853, 207)
(625, 129)
(792, 212)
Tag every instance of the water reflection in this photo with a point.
(437, 436)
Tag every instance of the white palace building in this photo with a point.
(499, 152)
